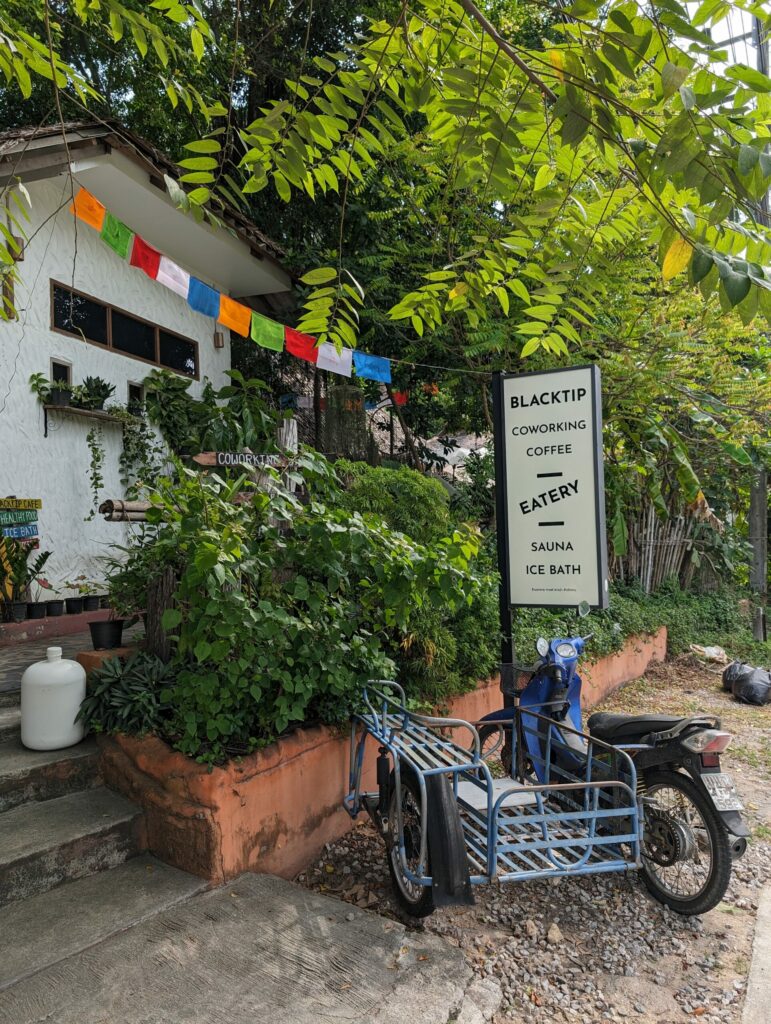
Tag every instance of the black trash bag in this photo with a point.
(734, 671)
(753, 688)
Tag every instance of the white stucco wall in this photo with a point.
(55, 468)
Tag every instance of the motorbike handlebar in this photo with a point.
(588, 637)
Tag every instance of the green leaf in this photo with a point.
(199, 163)
(672, 77)
(171, 619)
(701, 264)
(544, 177)
(321, 275)
(748, 157)
(736, 285)
(529, 347)
(198, 46)
(203, 146)
(737, 453)
(749, 76)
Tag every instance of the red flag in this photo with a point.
(400, 397)
(301, 345)
(145, 257)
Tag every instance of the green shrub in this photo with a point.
(282, 609)
(128, 696)
(407, 500)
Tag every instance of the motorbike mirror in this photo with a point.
(542, 646)
(583, 609)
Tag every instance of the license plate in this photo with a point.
(722, 789)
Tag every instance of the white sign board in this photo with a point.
(553, 488)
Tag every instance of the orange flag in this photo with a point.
(88, 209)
(235, 316)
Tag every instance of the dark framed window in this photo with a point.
(82, 316)
(61, 373)
(136, 394)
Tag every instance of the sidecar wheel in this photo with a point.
(416, 900)
(685, 852)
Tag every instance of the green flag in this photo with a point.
(116, 235)
(267, 333)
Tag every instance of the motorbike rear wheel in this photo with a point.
(415, 899)
(686, 854)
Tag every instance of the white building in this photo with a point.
(132, 323)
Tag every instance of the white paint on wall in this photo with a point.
(56, 468)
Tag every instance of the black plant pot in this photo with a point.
(18, 611)
(58, 397)
(74, 605)
(91, 603)
(107, 634)
(36, 610)
(104, 601)
(55, 607)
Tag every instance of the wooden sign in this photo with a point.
(10, 517)
(238, 459)
(20, 532)
(21, 503)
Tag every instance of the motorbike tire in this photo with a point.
(416, 901)
(717, 882)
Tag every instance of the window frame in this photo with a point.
(55, 361)
(109, 307)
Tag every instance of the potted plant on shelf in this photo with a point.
(20, 574)
(94, 392)
(51, 392)
(38, 609)
(54, 605)
(88, 594)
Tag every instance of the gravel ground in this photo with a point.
(599, 948)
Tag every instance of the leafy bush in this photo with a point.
(130, 696)
(445, 651)
(282, 609)
(407, 500)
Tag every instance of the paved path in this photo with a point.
(16, 657)
(758, 998)
(259, 949)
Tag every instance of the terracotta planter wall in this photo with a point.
(277, 808)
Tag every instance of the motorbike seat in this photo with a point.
(617, 728)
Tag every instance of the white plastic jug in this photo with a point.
(51, 693)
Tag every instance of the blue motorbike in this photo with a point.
(527, 793)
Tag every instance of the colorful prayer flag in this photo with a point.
(145, 257)
(202, 298)
(301, 345)
(330, 359)
(116, 235)
(235, 315)
(88, 209)
(174, 277)
(267, 333)
(372, 367)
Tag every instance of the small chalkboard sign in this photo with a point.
(12, 517)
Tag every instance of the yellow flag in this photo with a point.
(676, 259)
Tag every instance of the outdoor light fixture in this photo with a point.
(219, 339)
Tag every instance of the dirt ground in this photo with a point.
(599, 948)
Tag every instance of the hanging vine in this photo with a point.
(95, 442)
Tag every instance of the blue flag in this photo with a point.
(372, 367)
(203, 299)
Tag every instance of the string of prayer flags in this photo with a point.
(174, 277)
(301, 345)
(372, 367)
(145, 257)
(267, 333)
(337, 362)
(88, 209)
(202, 298)
(235, 315)
(116, 235)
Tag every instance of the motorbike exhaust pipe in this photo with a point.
(738, 847)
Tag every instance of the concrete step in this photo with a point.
(10, 721)
(29, 775)
(48, 842)
(257, 949)
(48, 928)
